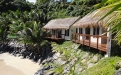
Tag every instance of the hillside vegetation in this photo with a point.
(73, 59)
(23, 21)
(106, 66)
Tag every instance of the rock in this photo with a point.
(40, 72)
(49, 72)
(49, 59)
(66, 68)
(118, 72)
(60, 61)
(85, 55)
(83, 61)
(23, 50)
(90, 65)
(78, 52)
(56, 55)
(95, 58)
(78, 68)
(73, 61)
(11, 44)
(118, 64)
(77, 71)
(72, 46)
(65, 47)
(106, 55)
(76, 47)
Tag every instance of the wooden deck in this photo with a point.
(89, 42)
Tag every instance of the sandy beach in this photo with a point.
(11, 65)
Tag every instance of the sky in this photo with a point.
(68, 0)
(31, 0)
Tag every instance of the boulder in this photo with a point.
(90, 65)
(85, 55)
(118, 72)
(95, 58)
(56, 55)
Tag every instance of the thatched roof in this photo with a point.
(93, 18)
(61, 23)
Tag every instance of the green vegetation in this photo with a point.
(106, 66)
(72, 59)
(113, 23)
(23, 21)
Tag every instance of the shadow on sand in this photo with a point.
(28, 53)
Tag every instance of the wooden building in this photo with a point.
(91, 30)
(60, 29)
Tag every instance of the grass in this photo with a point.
(106, 66)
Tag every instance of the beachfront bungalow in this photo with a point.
(60, 29)
(91, 31)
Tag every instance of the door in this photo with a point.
(87, 31)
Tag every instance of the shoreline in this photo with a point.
(11, 65)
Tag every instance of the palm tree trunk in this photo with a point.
(25, 46)
(38, 48)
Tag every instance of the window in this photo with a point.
(96, 31)
(87, 30)
(53, 31)
(67, 32)
(80, 30)
(76, 30)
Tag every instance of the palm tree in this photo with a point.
(4, 27)
(34, 35)
(115, 24)
(27, 28)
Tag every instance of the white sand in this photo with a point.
(11, 65)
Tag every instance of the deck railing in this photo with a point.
(86, 40)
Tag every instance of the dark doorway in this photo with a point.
(59, 34)
(87, 31)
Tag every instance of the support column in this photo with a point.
(109, 34)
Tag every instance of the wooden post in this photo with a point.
(52, 34)
(83, 39)
(75, 37)
(79, 38)
(89, 40)
(57, 35)
(72, 37)
(109, 43)
(97, 41)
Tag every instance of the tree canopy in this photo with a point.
(24, 20)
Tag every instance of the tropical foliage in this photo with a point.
(23, 21)
(106, 66)
(72, 60)
(113, 23)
